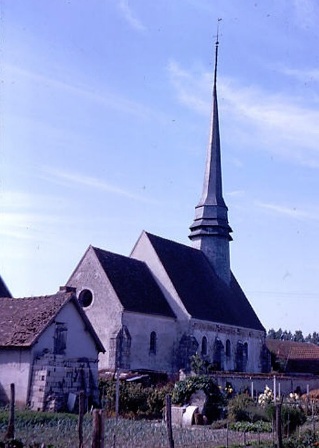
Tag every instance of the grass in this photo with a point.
(60, 431)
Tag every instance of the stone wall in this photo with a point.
(54, 378)
(256, 383)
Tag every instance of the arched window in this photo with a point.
(241, 357)
(153, 343)
(218, 355)
(245, 353)
(228, 348)
(204, 345)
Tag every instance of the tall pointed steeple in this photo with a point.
(210, 231)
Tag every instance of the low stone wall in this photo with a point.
(255, 383)
(54, 378)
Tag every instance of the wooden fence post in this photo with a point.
(10, 430)
(169, 421)
(278, 425)
(80, 421)
(98, 429)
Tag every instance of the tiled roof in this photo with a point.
(23, 320)
(134, 284)
(203, 294)
(4, 291)
(293, 350)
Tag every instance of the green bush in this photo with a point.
(242, 408)
(135, 400)
(306, 440)
(183, 390)
(258, 426)
(291, 416)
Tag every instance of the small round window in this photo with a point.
(85, 298)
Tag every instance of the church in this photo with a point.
(155, 309)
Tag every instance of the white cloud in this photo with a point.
(235, 193)
(192, 89)
(291, 212)
(306, 13)
(283, 125)
(108, 99)
(72, 179)
(130, 16)
(304, 75)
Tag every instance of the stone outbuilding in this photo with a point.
(49, 350)
(292, 357)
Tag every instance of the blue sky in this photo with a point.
(104, 109)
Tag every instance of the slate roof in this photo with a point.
(4, 291)
(203, 294)
(23, 320)
(134, 284)
(293, 350)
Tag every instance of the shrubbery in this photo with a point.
(242, 408)
(135, 400)
(291, 416)
(183, 390)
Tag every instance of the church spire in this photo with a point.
(210, 231)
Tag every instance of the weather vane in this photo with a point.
(216, 51)
(217, 35)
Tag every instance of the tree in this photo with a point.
(298, 336)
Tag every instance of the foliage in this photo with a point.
(292, 416)
(34, 428)
(37, 418)
(297, 336)
(183, 390)
(199, 365)
(242, 408)
(135, 399)
(244, 426)
(13, 443)
(308, 439)
(123, 433)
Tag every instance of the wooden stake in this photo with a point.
(80, 421)
(98, 429)
(10, 430)
(278, 425)
(169, 421)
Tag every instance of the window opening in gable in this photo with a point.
(60, 335)
(153, 343)
(85, 298)
(204, 345)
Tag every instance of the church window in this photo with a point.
(60, 338)
(153, 341)
(85, 298)
(218, 355)
(228, 348)
(246, 350)
(204, 345)
(241, 356)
